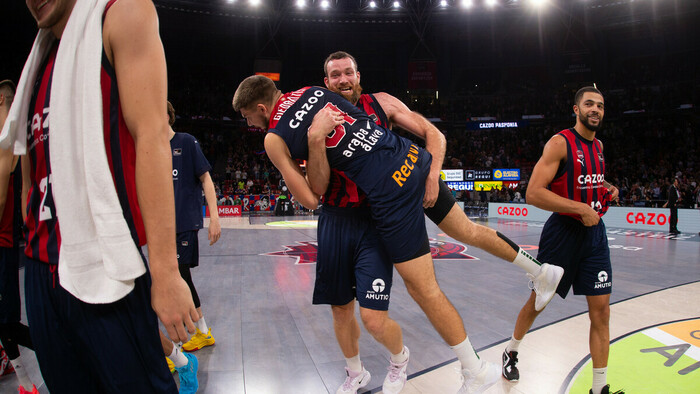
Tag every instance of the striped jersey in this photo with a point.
(42, 226)
(581, 177)
(366, 152)
(342, 192)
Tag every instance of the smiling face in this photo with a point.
(590, 110)
(344, 79)
(51, 14)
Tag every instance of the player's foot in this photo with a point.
(198, 341)
(396, 378)
(22, 390)
(188, 375)
(606, 390)
(171, 364)
(354, 381)
(510, 366)
(479, 382)
(545, 284)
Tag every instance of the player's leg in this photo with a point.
(185, 364)
(347, 333)
(188, 258)
(526, 318)
(12, 332)
(451, 219)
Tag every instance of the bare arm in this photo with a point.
(133, 45)
(210, 195)
(435, 143)
(26, 184)
(6, 161)
(279, 154)
(317, 168)
(543, 174)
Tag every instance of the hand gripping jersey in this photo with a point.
(342, 192)
(581, 177)
(366, 152)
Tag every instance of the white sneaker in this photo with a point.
(396, 378)
(489, 375)
(354, 381)
(545, 284)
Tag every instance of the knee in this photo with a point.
(600, 316)
(374, 322)
(343, 314)
(424, 291)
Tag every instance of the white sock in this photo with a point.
(399, 358)
(600, 377)
(528, 263)
(202, 326)
(467, 356)
(354, 363)
(177, 357)
(513, 345)
(21, 373)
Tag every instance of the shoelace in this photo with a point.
(347, 385)
(531, 283)
(394, 371)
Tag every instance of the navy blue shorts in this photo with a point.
(583, 253)
(351, 261)
(397, 208)
(9, 285)
(188, 248)
(94, 348)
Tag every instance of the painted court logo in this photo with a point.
(305, 252)
(660, 359)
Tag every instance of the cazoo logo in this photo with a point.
(512, 211)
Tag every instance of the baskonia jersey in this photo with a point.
(363, 150)
(43, 233)
(189, 164)
(342, 192)
(581, 177)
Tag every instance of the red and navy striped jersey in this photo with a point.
(43, 230)
(11, 222)
(342, 192)
(581, 177)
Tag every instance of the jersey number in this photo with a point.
(44, 211)
(596, 205)
(334, 138)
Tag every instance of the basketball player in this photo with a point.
(390, 169)
(190, 177)
(12, 331)
(569, 180)
(94, 328)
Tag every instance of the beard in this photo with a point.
(356, 93)
(588, 125)
(354, 97)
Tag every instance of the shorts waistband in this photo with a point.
(344, 211)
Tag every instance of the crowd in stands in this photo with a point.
(650, 135)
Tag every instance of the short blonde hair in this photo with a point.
(253, 90)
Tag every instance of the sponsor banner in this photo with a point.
(422, 75)
(250, 202)
(452, 175)
(511, 184)
(460, 185)
(477, 175)
(647, 219)
(487, 186)
(506, 174)
(486, 125)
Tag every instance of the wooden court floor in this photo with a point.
(256, 284)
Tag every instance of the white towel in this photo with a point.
(98, 260)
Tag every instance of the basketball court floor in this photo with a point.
(256, 284)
